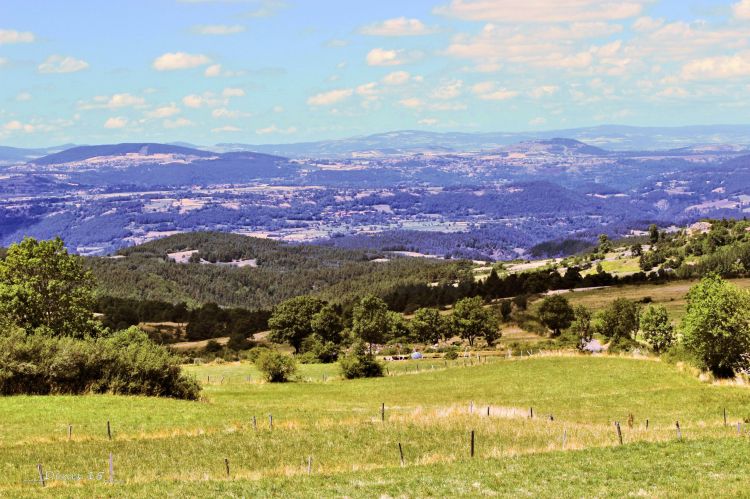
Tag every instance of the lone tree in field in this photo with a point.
(619, 320)
(292, 320)
(556, 313)
(42, 286)
(370, 320)
(470, 320)
(582, 325)
(427, 326)
(656, 328)
(717, 325)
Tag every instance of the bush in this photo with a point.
(360, 364)
(275, 366)
(124, 363)
(451, 354)
(253, 354)
(308, 358)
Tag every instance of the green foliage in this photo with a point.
(292, 320)
(716, 326)
(360, 363)
(370, 320)
(41, 285)
(619, 321)
(327, 324)
(656, 328)
(451, 354)
(556, 313)
(126, 363)
(471, 320)
(427, 325)
(275, 366)
(653, 233)
(506, 308)
(322, 351)
(582, 325)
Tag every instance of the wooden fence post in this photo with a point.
(255, 424)
(725, 416)
(41, 474)
(226, 464)
(382, 412)
(70, 431)
(531, 412)
(270, 421)
(679, 431)
(619, 432)
(109, 430)
(647, 423)
(401, 453)
(309, 465)
(471, 452)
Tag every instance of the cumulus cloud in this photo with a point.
(9, 36)
(383, 57)
(400, 26)
(742, 9)
(397, 78)
(647, 24)
(227, 128)
(164, 112)
(411, 102)
(719, 67)
(218, 29)
(116, 122)
(115, 101)
(17, 126)
(179, 60)
(541, 11)
(233, 92)
(206, 99)
(331, 97)
(273, 129)
(543, 91)
(62, 64)
(449, 90)
(177, 123)
(487, 90)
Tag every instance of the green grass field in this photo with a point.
(175, 448)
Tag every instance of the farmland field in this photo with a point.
(333, 429)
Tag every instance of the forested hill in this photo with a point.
(240, 271)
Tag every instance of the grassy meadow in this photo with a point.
(328, 438)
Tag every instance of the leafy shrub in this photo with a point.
(451, 354)
(253, 354)
(275, 366)
(359, 363)
(126, 363)
(308, 358)
(324, 352)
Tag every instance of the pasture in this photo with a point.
(328, 437)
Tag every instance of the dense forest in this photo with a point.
(146, 272)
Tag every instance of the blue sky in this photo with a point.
(263, 71)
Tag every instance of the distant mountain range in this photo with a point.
(610, 137)
(404, 142)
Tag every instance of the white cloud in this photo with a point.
(487, 90)
(541, 11)
(742, 9)
(411, 102)
(719, 67)
(116, 122)
(233, 92)
(61, 64)
(177, 123)
(218, 29)
(368, 90)
(179, 60)
(8, 36)
(544, 91)
(223, 112)
(449, 90)
(213, 71)
(17, 126)
(164, 112)
(383, 57)
(678, 92)
(397, 78)
(207, 99)
(115, 101)
(225, 129)
(23, 97)
(331, 97)
(428, 121)
(537, 121)
(273, 129)
(647, 24)
(400, 26)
